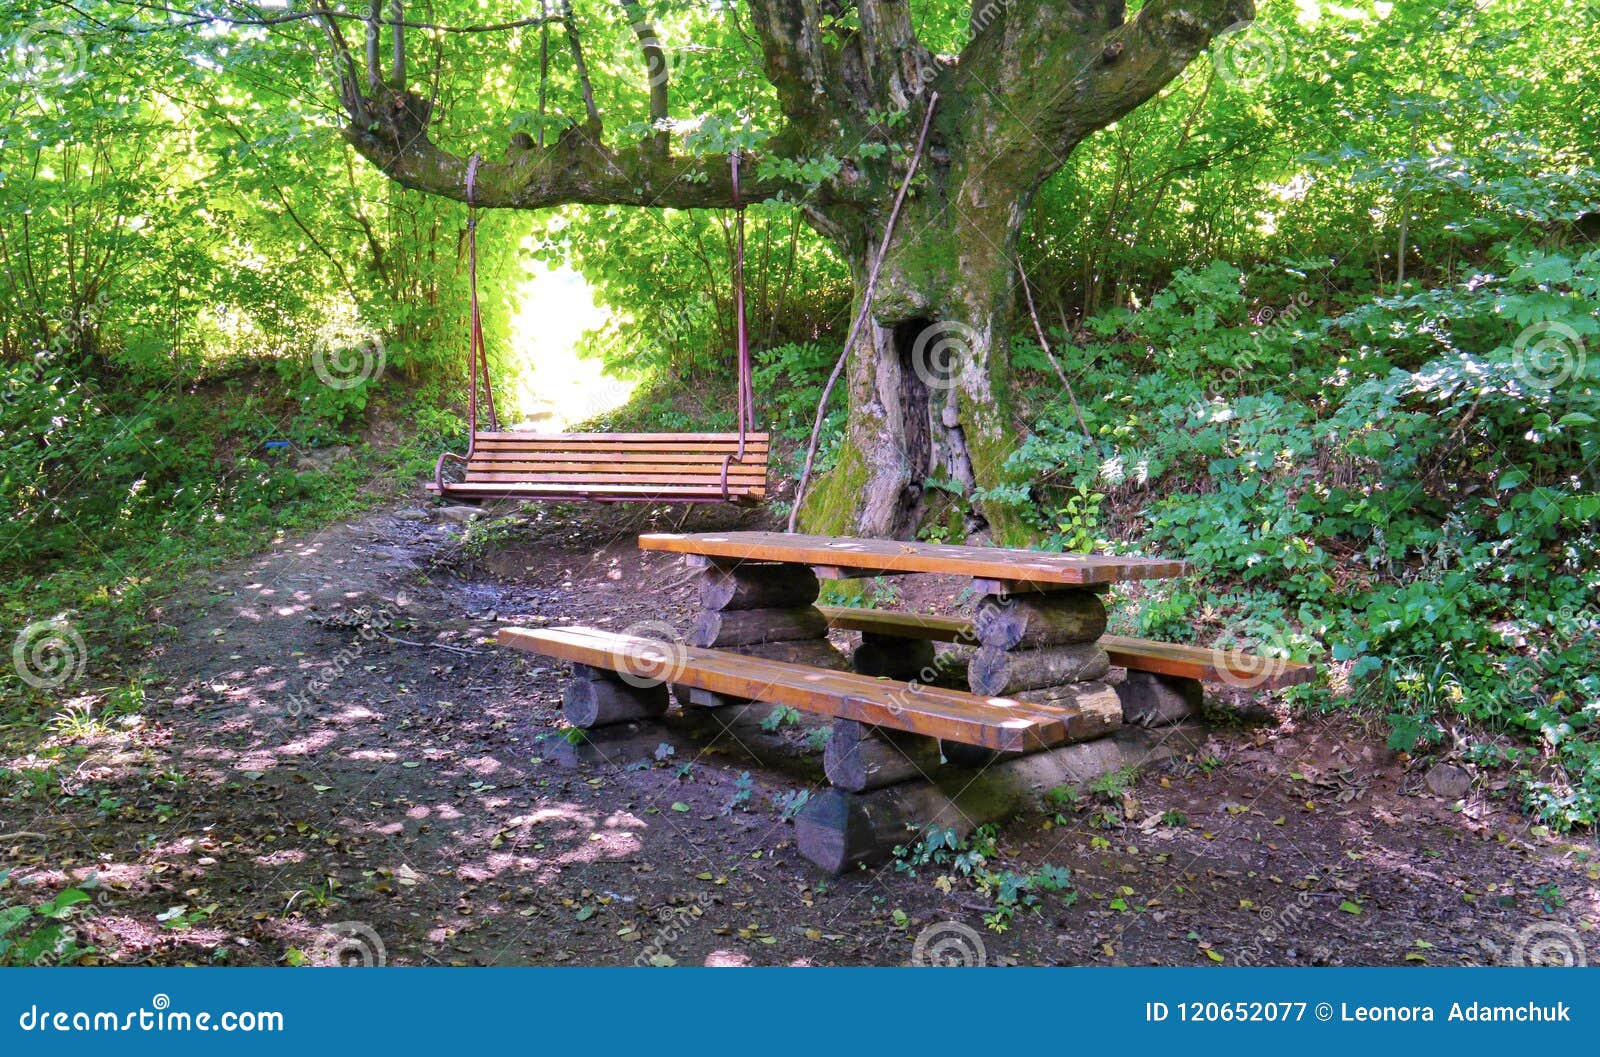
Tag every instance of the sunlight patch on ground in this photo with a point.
(553, 389)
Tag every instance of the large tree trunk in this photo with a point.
(927, 375)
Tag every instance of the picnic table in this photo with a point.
(1029, 678)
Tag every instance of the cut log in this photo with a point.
(758, 587)
(1100, 709)
(951, 668)
(1151, 700)
(751, 626)
(839, 830)
(859, 757)
(600, 702)
(894, 658)
(1062, 617)
(998, 673)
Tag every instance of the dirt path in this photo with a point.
(334, 758)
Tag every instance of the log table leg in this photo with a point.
(839, 830)
(1042, 646)
(762, 609)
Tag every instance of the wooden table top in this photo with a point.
(873, 557)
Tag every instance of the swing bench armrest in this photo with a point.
(438, 468)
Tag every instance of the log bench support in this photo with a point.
(595, 697)
(1150, 699)
(840, 830)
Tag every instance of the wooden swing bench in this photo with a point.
(610, 467)
(606, 467)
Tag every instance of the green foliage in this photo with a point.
(972, 860)
(1419, 507)
(40, 934)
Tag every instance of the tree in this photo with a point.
(927, 376)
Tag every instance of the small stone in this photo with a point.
(322, 459)
(459, 513)
(1448, 781)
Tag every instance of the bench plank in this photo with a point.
(1208, 665)
(877, 555)
(996, 723)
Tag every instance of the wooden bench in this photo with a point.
(1200, 663)
(649, 665)
(610, 467)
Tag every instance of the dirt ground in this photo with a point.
(335, 763)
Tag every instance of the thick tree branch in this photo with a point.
(1041, 75)
(391, 131)
(896, 67)
(802, 66)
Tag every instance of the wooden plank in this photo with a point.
(1233, 667)
(643, 447)
(1145, 655)
(701, 480)
(577, 487)
(988, 585)
(995, 723)
(576, 464)
(620, 437)
(900, 625)
(898, 556)
(622, 452)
